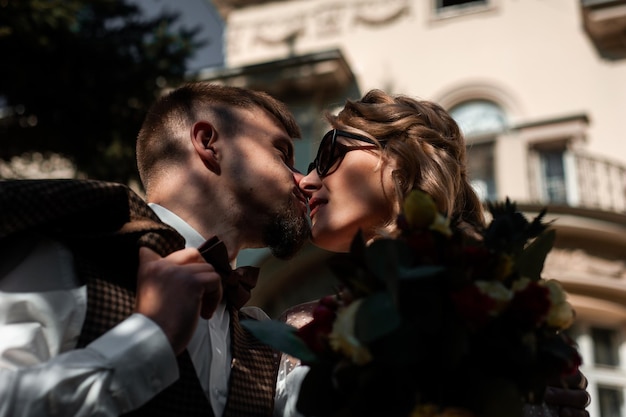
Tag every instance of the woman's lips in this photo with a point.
(314, 204)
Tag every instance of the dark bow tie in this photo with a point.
(237, 283)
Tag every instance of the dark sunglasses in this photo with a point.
(331, 153)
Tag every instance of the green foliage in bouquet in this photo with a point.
(435, 321)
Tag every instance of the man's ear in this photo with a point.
(204, 136)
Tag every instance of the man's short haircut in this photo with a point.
(172, 115)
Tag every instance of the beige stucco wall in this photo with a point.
(531, 56)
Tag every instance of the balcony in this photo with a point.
(320, 75)
(601, 184)
(605, 23)
(586, 182)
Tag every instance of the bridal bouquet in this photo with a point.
(433, 322)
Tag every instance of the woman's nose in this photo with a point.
(310, 183)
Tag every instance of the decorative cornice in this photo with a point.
(287, 36)
(380, 16)
(249, 33)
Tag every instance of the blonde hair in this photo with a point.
(424, 143)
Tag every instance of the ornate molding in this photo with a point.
(275, 35)
(313, 21)
(380, 14)
(582, 262)
(287, 37)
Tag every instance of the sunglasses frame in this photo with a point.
(332, 136)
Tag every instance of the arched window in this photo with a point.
(478, 117)
(481, 121)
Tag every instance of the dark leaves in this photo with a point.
(78, 76)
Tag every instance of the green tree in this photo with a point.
(77, 76)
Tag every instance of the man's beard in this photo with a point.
(286, 232)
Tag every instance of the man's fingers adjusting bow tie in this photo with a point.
(175, 290)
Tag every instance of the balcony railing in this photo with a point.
(601, 184)
(586, 181)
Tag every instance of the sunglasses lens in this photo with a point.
(325, 154)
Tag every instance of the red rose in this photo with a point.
(473, 305)
(530, 305)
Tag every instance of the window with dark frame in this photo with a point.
(442, 4)
(610, 400)
(553, 170)
(608, 387)
(605, 346)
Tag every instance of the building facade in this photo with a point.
(539, 89)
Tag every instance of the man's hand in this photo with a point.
(175, 290)
(570, 396)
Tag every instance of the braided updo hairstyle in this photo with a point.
(426, 146)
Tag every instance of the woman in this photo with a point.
(404, 144)
(380, 148)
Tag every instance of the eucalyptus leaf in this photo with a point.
(419, 272)
(376, 317)
(280, 336)
(384, 258)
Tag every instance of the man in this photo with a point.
(215, 161)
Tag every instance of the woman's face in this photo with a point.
(354, 191)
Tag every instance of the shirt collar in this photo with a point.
(192, 237)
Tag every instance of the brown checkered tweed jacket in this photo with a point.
(104, 224)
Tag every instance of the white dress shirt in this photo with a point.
(209, 347)
(287, 389)
(42, 310)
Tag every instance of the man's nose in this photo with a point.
(297, 175)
